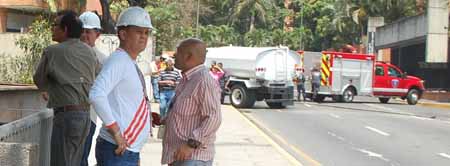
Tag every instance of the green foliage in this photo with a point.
(216, 36)
(33, 44)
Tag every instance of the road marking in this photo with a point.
(278, 110)
(444, 155)
(283, 152)
(373, 154)
(307, 105)
(335, 116)
(387, 108)
(335, 135)
(377, 131)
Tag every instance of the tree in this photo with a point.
(251, 10)
(33, 43)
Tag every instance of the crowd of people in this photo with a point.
(80, 83)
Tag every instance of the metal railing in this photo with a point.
(35, 128)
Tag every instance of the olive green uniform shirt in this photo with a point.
(67, 71)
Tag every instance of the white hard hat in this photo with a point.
(135, 16)
(90, 20)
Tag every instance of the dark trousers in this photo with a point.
(69, 133)
(88, 144)
(301, 91)
(104, 153)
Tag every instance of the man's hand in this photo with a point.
(45, 96)
(183, 153)
(121, 142)
(156, 119)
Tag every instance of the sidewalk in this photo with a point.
(435, 104)
(238, 143)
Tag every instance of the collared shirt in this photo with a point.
(67, 71)
(194, 114)
(118, 98)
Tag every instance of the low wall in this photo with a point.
(17, 101)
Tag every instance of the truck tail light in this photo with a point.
(260, 69)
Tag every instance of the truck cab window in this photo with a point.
(379, 71)
(394, 72)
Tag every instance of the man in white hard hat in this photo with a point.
(90, 33)
(118, 94)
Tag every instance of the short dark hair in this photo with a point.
(70, 21)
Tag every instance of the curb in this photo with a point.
(282, 151)
(435, 105)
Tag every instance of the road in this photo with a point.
(364, 133)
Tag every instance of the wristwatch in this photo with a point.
(193, 143)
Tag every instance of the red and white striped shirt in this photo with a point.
(194, 114)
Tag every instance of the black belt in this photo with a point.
(82, 107)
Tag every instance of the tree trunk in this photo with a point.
(107, 21)
(289, 19)
(140, 3)
(420, 6)
(252, 23)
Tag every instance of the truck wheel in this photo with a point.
(348, 95)
(275, 105)
(241, 97)
(384, 99)
(412, 97)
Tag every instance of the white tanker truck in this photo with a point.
(258, 74)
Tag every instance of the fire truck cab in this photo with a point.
(390, 81)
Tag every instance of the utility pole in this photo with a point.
(198, 15)
(301, 26)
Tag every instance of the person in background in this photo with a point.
(154, 67)
(194, 115)
(90, 33)
(300, 80)
(223, 82)
(169, 78)
(66, 73)
(315, 81)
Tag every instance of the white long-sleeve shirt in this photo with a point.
(101, 58)
(117, 96)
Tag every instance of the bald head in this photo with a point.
(191, 52)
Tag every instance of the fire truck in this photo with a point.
(345, 75)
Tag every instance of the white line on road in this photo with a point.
(335, 135)
(444, 155)
(335, 116)
(307, 105)
(377, 106)
(373, 154)
(377, 131)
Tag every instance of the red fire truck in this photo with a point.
(345, 75)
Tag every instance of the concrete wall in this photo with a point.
(411, 28)
(19, 101)
(23, 154)
(437, 35)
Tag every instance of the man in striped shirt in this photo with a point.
(169, 78)
(194, 115)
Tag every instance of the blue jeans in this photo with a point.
(192, 163)
(165, 98)
(104, 153)
(88, 144)
(155, 88)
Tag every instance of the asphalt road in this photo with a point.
(364, 133)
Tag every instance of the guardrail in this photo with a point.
(35, 128)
